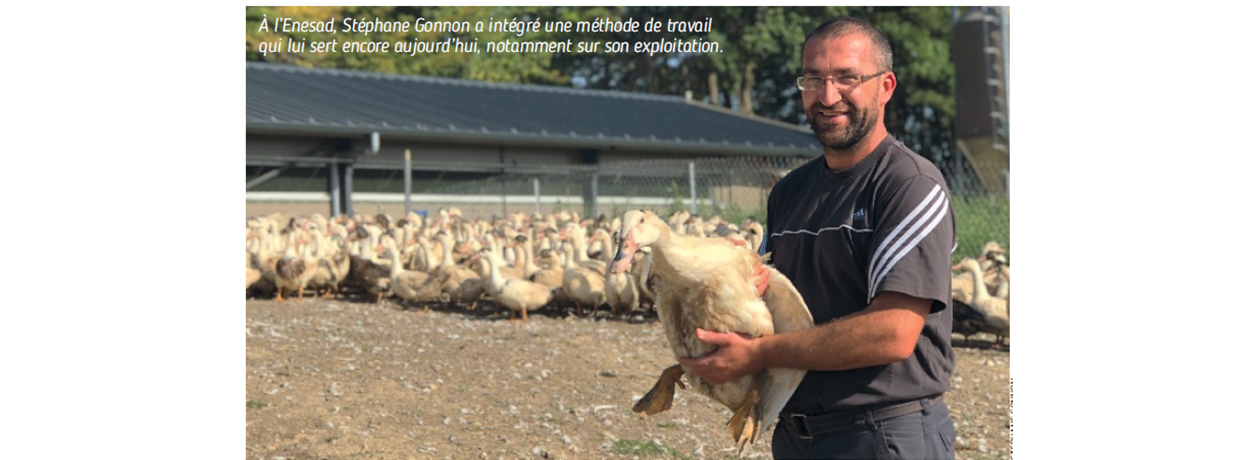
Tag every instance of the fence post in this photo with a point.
(693, 188)
(593, 204)
(408, 182)
(537, 199)
(348, 189)
(335, 188)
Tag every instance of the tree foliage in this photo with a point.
(754, 73)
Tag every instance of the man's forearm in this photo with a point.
(870, 338)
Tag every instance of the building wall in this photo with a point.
(392, 152)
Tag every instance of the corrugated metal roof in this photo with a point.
(327, 102)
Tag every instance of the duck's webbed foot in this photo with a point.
(659, 398)
(744, 423)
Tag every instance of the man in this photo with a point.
(866, 235)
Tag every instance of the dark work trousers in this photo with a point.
(914, 436)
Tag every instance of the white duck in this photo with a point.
(714, 284)
(327, 275)
(621, 292)
(264, 258)
(295, 268)
(582, 285)
(252, 271)
(998, 273)
(513, 294)
(454, 279)
(996, 310)
(409, 285)
(754, 234)
(1003, 281)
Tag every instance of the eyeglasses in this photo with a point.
(842, 82)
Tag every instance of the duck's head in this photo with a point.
(490, 256)
(638, 229)
(990, 248)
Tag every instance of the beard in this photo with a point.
(841, 139)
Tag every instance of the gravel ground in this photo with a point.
(337, 379)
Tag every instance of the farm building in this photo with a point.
(337, 140)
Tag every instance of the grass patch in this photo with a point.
(255, 404)
(644, 448)
(667, 425)
(735, 214)
(980, 219)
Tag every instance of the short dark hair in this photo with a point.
(842, 26)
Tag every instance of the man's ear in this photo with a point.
(887, 87)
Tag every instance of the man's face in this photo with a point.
(843, 117)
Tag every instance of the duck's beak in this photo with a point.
(624, 255)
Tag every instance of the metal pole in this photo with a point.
(693, 187)
(335, 189)
(594, 194)
(408, 182)
(503, 188)
(267, 176)
(537, 198)
(731, 199)
(348, 189)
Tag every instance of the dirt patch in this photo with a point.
(336, 379)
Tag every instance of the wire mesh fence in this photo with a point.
(733, 188)
(977, 174)
(982, 211)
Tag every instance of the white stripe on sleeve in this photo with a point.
(894, 233)
(925, 230)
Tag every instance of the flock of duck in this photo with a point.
(521, 262)
(980, 294)
(695, 273)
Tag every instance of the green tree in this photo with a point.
(754, 73)
(504, 67)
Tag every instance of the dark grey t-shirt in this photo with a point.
(842, 237)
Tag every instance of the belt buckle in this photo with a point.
(800, 428)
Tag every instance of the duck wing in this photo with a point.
(410, 280)
(788, 313)
(291, 268)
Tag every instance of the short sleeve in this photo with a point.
(915, 234)
(770, 221)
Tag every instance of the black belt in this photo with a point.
(808, 426)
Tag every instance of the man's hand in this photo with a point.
(885, 332)
(735, 358)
